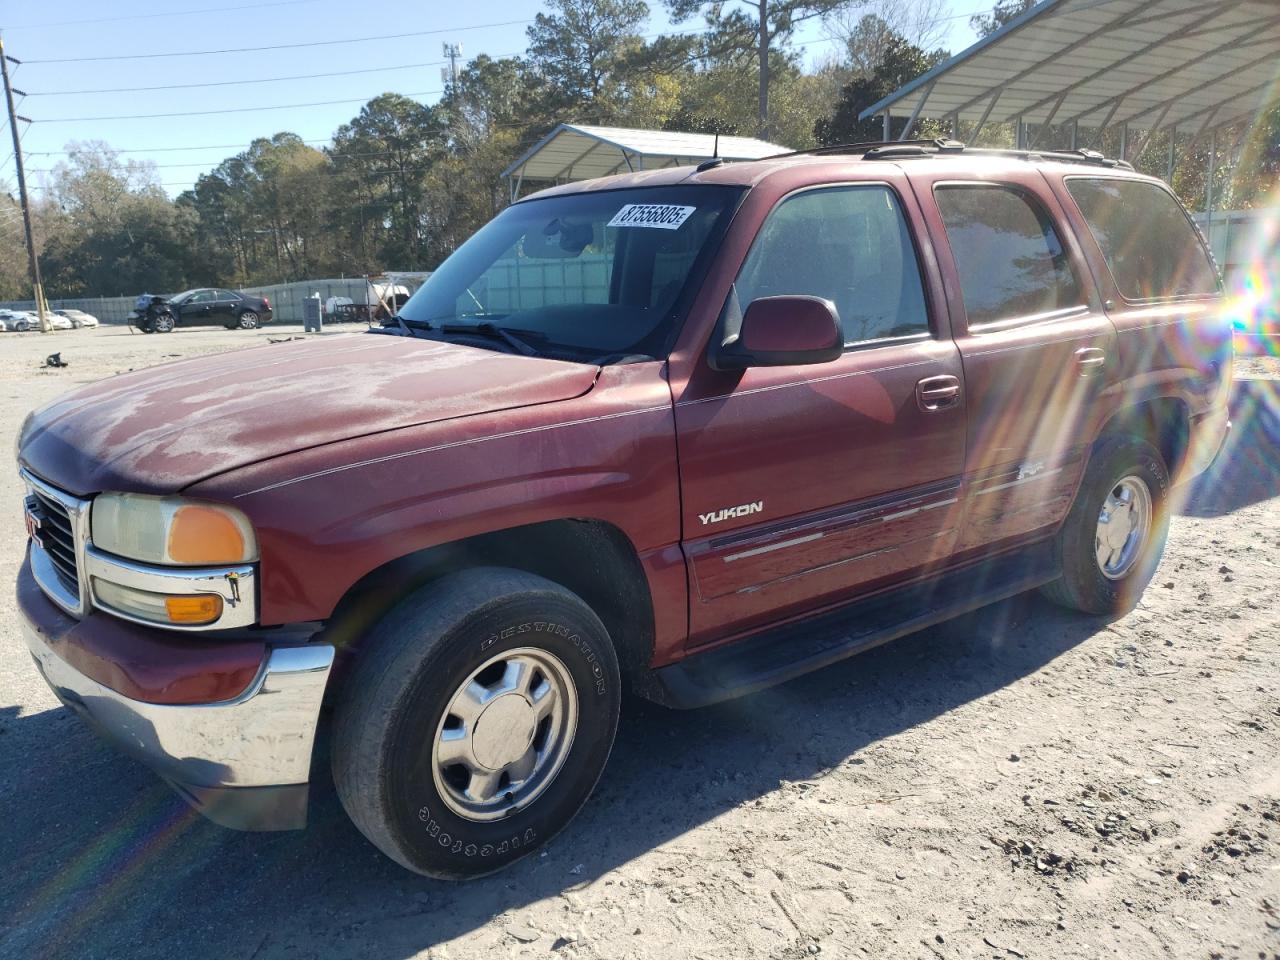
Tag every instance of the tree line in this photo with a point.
(403, 183)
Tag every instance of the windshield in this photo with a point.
(183, 297)
(585, 274)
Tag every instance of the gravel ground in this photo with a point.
(1019, 783)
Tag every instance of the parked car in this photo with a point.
(229, 308)
(24, 320)
(78, 318)
(693, 432)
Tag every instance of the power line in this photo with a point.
(208, 146)
(152, 16)
(232, 83)
(283, 46)
(206, 113)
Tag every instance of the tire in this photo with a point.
(411, 675)
(247, 320)
(163, 323)
(22, 326)
(1107, 577)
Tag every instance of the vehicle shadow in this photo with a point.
(1248, 469)
(103, 861)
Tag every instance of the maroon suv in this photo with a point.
(691, 431)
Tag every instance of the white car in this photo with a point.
(78, 318)
(23, 320)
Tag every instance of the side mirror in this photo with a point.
(781, 332)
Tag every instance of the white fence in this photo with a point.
(1242, 241)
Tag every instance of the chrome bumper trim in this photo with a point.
(264, 737)
(236, 585)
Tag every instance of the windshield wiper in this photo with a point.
(492, 330)
(406, 325)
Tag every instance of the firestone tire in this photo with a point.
(397, 707)
(1119, 466)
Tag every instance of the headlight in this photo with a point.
(171, 530)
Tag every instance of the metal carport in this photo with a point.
(576, 152)
(1092, 65)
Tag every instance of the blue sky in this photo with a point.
(78, 29)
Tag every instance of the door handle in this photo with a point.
(938, 393)
(1090, 361)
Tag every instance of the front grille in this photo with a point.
(59, 539)
(59, 525)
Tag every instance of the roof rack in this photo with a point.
(902, 149)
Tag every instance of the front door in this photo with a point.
(1036, 345)
(806, 485)
(198, 308)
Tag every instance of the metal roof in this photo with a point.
(573, 152)
(1150, 64)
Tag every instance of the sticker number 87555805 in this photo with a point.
(663, 216)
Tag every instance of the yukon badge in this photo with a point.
(1029, 470)
(741, 510)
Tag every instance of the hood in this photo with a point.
(161, 429)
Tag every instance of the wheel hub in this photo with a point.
(505, 734)
(504, 731)
(1123, 524)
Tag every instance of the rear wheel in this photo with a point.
(476, 721)
(1114, 535)
(248, 320)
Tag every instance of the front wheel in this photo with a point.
(475, 721)
(1114, 535)
(248, 320)
(163, 323)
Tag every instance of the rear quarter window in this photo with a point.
(1146, 238)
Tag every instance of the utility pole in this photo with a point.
(452, 52)
(763, 53)
(33, 262)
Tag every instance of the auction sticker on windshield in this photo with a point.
(664, 216)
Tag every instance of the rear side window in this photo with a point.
(1150, 246)
(849, 245)
(1011, 260)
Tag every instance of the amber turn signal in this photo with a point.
(200, 534)
(202, 608)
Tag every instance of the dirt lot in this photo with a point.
(1021, 783)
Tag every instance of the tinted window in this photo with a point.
(849, 245)
(1148, 242)
(227, 295)
(1009, 255)
(203, 296)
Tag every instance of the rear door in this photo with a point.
(805, 485)
(225, 306)
(1036, 347)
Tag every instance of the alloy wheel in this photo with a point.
(505, 734)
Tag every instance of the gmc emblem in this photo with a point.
(33, 522)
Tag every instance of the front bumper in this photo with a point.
(243, 762)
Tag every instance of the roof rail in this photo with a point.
(865, 147)
(901, 149)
